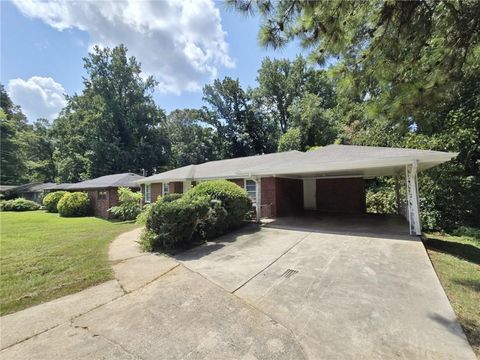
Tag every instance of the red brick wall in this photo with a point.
(176, 187)
(268, 197)
(99, 206)
(239, 182)
(289, 196)
(341, 195)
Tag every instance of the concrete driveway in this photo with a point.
(358, 296)
(260, 293)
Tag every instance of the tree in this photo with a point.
(281, 82)
(241, 129)
(114, 125)
(291, 140)
(12, 124)
(191, 140)
(314, 122)
(39, 148)
(407, 56)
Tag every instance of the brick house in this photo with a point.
(102, 191)
(328, 179)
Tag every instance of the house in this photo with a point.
(32, 191)
(102, 191)
(6, 189)
(331, 178)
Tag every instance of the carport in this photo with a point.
(331, 179)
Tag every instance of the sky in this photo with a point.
(182, 44)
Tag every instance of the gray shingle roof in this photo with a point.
(221, 168)
(32, 187)
(62, 186)
(108, 181)
(333, 159)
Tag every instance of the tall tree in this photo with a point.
(406, 55)
(191, 140)
(282, 81)
(114, 125)
(12, 124)
(241, 128)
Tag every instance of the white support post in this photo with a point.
(258, 198)
(412, 198)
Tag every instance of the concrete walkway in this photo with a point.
(154, 309)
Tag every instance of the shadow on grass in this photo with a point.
(472, 284)
(466, 252)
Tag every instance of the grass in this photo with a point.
(456, 260)
(44, 256)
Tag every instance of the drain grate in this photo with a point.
(289, 273)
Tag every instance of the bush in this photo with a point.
(74, 204)
(19, 204)
(214, 224)
(234, 199)
(50, 201)
(468, 232)
(171, 224)
(130, 204)
(171, 197)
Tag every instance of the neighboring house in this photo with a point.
(32, 191)
(6, 189)
(331, 178)
(102, 191)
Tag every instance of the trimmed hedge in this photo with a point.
(234, 199)
(74, 204)
(50, 201)
(171, 224)
(19, 204)
(208, 210)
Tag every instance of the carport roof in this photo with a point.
(328, 161)
(351, 160)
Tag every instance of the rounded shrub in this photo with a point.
(50, 201)
(171, 224)
(19, 204)
(74, 204)
(233, 198)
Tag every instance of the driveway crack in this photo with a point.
(273, 262)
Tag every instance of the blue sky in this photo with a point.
(42, 48)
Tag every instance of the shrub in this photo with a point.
(171, 197)
(19, 204)
(171, 224)
(381, 201)
(74, 204)
(234, 199)
(50, 201)
(214, 224)
(144, 214)
(468, 232)
(130, 204)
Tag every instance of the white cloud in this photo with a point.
(39, 97)
(180, 42)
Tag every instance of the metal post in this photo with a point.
(412, 198)
(258, 198)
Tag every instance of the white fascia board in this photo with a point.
(350, 165)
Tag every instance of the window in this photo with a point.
(101, 195)
(166, 189)
(148, 193)
(251, 188)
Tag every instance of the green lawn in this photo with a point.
(44, 256)
(457, 263)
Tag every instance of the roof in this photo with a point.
(331, 160)
(351, 160)
(32, 187)
(108, 181)
(7, 187)
(220, 168)
(62, 186)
